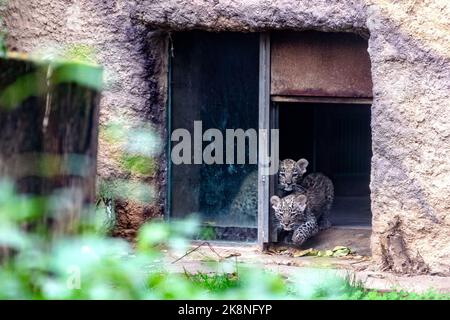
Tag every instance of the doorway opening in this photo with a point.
(300, 83)
(336, 140)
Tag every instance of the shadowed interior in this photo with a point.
(336, 140)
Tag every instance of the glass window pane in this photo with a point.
(215, 81)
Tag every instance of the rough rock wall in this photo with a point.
(133, 66)
(410, 52)
(409, 46)
(253, 15)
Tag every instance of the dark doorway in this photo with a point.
(336, 140)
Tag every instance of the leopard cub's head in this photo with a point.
(290, 173)
(289, 210)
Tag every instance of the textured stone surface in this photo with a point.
(253, 15)
(133, 74)
(409, 47)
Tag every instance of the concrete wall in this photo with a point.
(409, 47)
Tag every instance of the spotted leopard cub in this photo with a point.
(317, 188)
(244, 207)
(293, 216)
(290, 175)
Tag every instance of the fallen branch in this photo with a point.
(198, 247)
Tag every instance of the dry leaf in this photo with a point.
(302, 253)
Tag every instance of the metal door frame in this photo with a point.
(264, 181)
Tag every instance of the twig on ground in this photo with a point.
(198, 247)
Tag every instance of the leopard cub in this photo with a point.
(317, 188)
(290, 175)
(292, 216)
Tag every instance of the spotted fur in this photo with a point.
(317, 187)
(319, 190)
(292, 215)
(290, 174)
(244, 207)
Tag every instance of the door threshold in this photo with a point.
(362, 227)
(224, 244)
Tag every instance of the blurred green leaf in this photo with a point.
(12, 237)
(75, 72)
(137, 164)
(186, 227)
(114, 132)
(341, 251)
(89, 266)
(26, 86)
(129, 190)
(153, 234)
(81, 53)
(35, 84)
(143, 140)
(207, 233)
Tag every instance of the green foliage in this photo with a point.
(3, 32)
(136, 160)
(207, 233)
(140, 139)
(126, 189)
(219, 283)
(79, 53)
(89, 265)
(47, 74)
(215, 283)
(140, 144)
(3, 48)
(138, 164)
(29, 85)
(114, 132)
(92, 266)
(86, 75)
(361, 294)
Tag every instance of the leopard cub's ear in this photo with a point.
(275, 201)
(301, 199)
(301, 165)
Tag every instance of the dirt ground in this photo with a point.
(289, 261)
